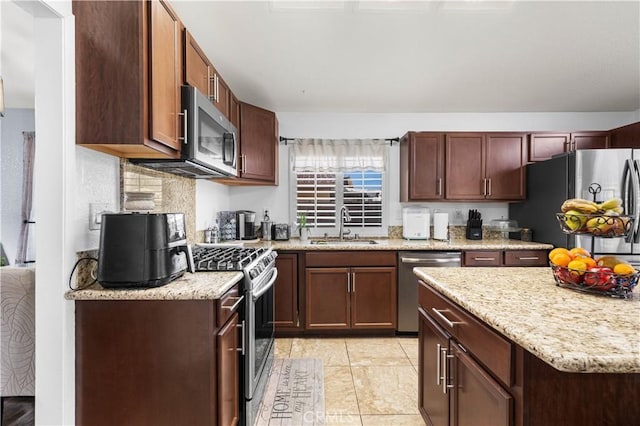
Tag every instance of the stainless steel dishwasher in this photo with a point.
(408, 282)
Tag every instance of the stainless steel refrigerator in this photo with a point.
(570, 175)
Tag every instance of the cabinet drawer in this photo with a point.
(228, 304)
(525, 258)
(488, 347)
(482, 258)
(351, 258)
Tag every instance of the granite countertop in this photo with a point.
(571, 331)
(191, 286)
(401, 244)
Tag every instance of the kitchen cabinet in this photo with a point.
(234, 110)
(286, 314)
(505, 258)
(160, 362)
(200, 73)
(128, 77)
(485, 166)
(542, 146)
(626, 136)
(422, 166)
(454, 388)
(345, 291)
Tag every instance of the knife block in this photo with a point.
(474, 230)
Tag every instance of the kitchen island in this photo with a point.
(508, 345)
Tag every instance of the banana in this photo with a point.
(610, 204)
(581, 205)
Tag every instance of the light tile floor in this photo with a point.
(368, 381)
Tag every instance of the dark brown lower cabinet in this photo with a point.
(286, 313)
(157, 362)
(455, 389)
(469, 375)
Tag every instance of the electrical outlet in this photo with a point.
(95, 214)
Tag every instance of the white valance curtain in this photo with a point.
(338, 155)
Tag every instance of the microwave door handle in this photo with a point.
(227, 138)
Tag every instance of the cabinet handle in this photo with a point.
(243, 163)
(439, 186)
(216, 93)
(445, 379)
(235, 305)
(484, 186)
(573, 145)
(209, 83)
(439, 312)
(489, 187)
(353, 282)
(242, 337)
(484, 259)
(529, 258)
(438, 363)
(185, 125)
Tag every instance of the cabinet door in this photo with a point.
(433, 396)
(221, 94)
(228, 373)
(590, 140)
(165, 63)
(286, 292)
(234, 110)
(327, 298)
(476, 395)
(465, 174)
(422, 167)
(504, 158)
(374, 296)
(626, 136)
(543, 146)
(258, 144)
(197, 71)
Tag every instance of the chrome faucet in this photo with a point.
(344, 217)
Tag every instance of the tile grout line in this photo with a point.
(355, 392)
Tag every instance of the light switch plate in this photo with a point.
(95, 214)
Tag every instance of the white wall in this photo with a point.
(211, 198)
(97, 181)
(15, 121)
(333, 125)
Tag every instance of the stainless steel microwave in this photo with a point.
(209, 142)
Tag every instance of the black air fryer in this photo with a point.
(141, 250)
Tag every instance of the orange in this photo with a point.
(561, 259)
(578, 265)
(588, 261)
(623, 269)
(559, 250)
(579, 251)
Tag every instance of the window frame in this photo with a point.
(315, 231)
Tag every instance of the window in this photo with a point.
(321, 195)
(330, 174)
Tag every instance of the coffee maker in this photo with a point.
(246, 225)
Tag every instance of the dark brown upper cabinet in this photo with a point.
(422, 166)
(543, 146)
(485, 166)
(128, 77)
(626, 136)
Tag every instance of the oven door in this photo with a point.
(260, 333)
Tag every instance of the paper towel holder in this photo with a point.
(441, 226)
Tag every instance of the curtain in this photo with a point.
(339, 155)
(27, 196)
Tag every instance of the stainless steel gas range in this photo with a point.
(260, 273)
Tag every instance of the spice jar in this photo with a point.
(526, 234)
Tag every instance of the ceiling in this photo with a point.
(429, 56)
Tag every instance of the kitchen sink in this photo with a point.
(343, 242)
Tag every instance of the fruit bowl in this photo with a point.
(600, 283)
(598, 225)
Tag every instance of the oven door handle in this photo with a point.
(267, 286)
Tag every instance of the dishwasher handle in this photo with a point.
(434, 261)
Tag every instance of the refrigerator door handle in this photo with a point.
(635, 179)
(626, 193)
